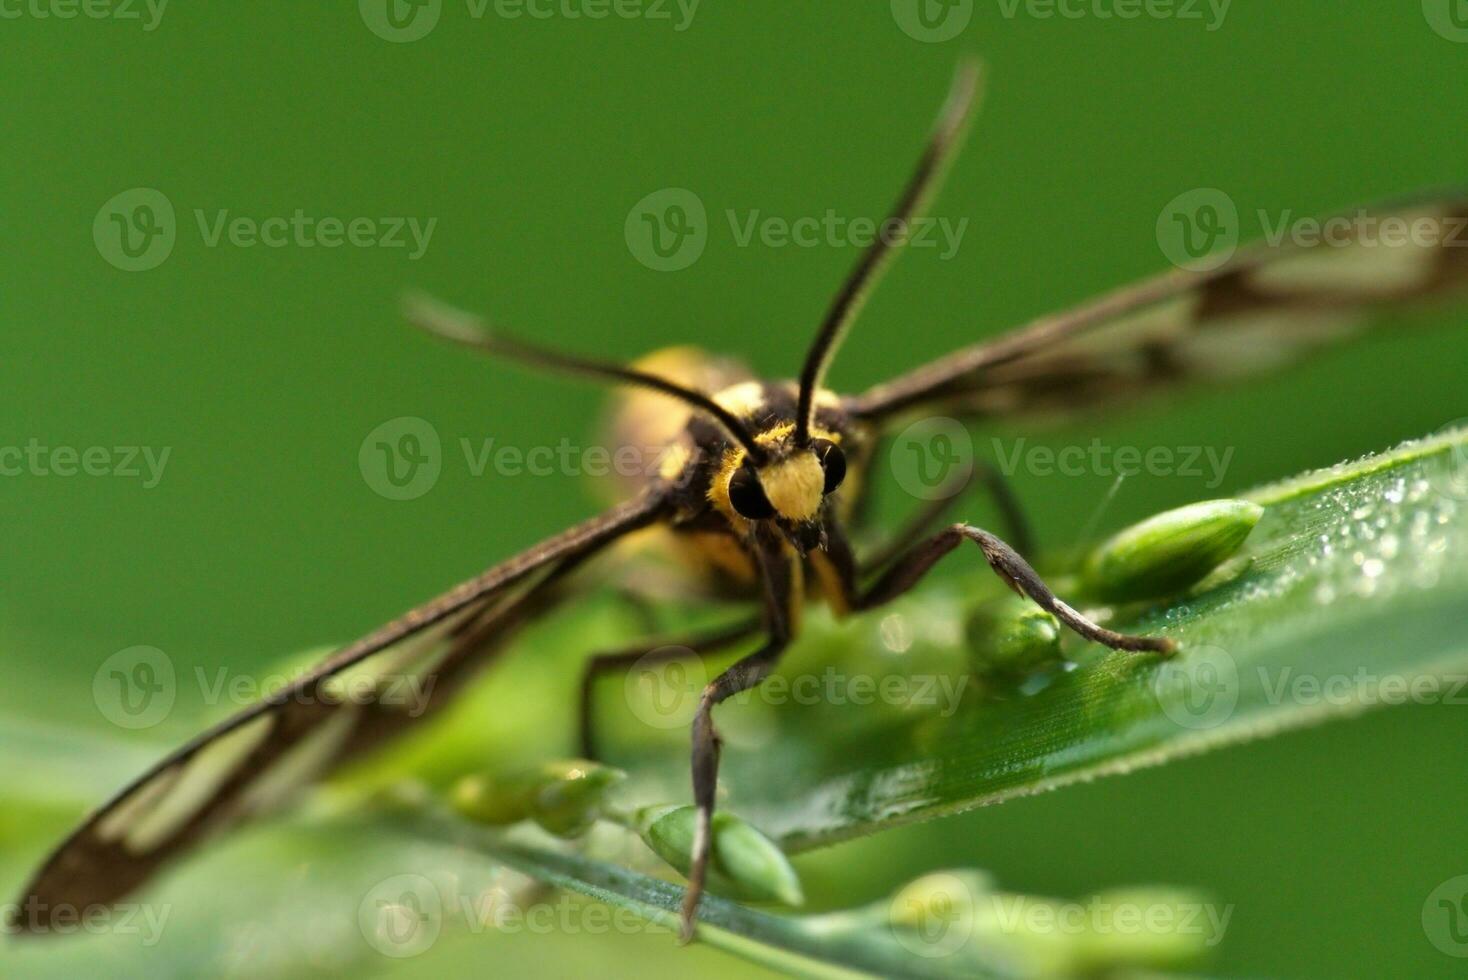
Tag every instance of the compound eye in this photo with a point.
(748, 497)
(833, 461)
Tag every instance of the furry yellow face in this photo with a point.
(789, 487)
(795, 486)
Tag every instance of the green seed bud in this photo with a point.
(1169, 552)
(1147, 928)
(570, 800)
(947, 895)
(490, 799)
(1011, 637)
(564, 797)
(744, 864)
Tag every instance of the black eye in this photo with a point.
(748, 497)
(833, 461)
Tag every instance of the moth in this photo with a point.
(756, 486)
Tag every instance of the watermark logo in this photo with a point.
(936, 921)
(135, 688)
(1199, 229)
(138, 687)
(136, 229)
(401, 459)
(663, 687)
(932, 21)
(400, 21)
(1449, 18)
(933, 459)
(667, 230)
(401, 916)
(1199, 689)
(1207, 463)
(408, 692)
(1445, 917)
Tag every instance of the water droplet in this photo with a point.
(895, 633)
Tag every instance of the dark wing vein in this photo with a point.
(368, 691)
(1264, 307)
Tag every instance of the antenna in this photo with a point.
(449, 323)
(942, 146)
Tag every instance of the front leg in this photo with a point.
(909, 569)
(648, 652)
(777, 573)
(996, 486)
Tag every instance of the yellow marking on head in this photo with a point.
(684, 364)
(744, 400)
(718, 491)
(675, 458)
(647, 421)
(794, 485)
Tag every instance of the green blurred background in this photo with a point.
(529, 140)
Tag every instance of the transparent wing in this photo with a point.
(254, 761)
(1265, 307)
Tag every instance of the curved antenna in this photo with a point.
(942, 147)
(455, 325)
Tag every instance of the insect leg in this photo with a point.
(779, 590)
(909, 569)
(745, 674)
(649, 652)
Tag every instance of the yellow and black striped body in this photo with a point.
(704, 535)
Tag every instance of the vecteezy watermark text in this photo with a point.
(1200, 230)
(144, 920)
(668, 230)
(149, 13)
(934, 459)
(936, 21)
(1099, 915)
(404, 915)
(402, 458)
(1202, 688)
(403, 21)
(1210, 13)
(137, 229)
(128, 462)
(137, 688)
(837, 231)
(1097, 458)
(664, 687)
(308, 231)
